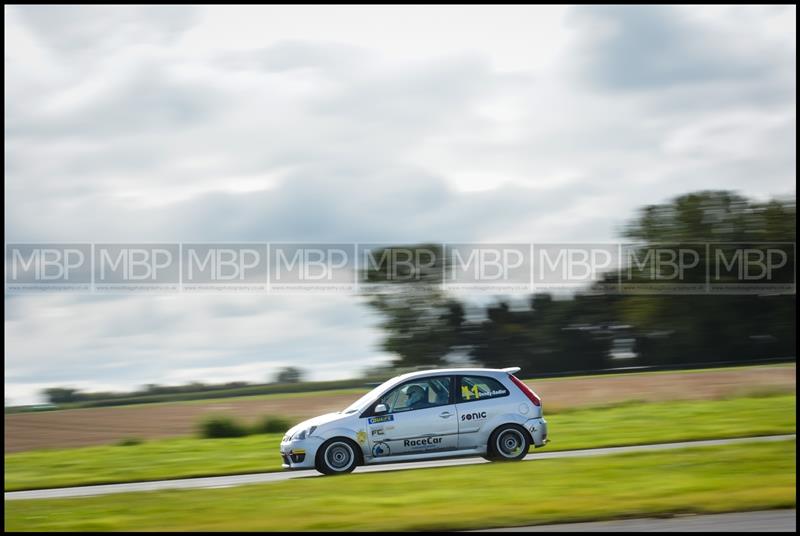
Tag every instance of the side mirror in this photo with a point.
(381, 408)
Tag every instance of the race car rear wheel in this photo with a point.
(337, 456)
(509, 442)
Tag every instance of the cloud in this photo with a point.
(656, 47)
(139, 340)
(97, 29)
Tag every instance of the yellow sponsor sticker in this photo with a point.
(361, 437)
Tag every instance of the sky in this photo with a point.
(354, 124)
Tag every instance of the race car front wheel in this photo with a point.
(509, 442)
(336, 456)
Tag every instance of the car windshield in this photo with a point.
(366, 399)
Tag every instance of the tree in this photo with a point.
(289, 375)
(61, 395)
(548, 336)
(421, 324)
(708, 327)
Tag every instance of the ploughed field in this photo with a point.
(97, 426)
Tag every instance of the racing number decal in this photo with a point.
(466, 394)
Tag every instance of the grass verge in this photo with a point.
(625, 424)
(695, 480)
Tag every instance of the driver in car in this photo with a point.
(417, 398)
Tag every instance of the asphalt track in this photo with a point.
(262, 478)
(764, 521)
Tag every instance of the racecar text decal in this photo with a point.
(422, 442)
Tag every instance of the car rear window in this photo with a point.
(474, 388)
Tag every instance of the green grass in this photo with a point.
(151, 460)
(696, 480)
(634, 423)
(624, 424)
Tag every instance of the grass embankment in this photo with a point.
(696, 480)
(626, 424)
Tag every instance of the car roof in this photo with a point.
(444, 372)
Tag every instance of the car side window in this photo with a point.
(473, 388)
(418, 394)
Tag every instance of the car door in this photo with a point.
(478, 400)
(412, 424)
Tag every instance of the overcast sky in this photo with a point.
(376, 124)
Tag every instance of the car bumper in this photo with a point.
(299, 453)
(538, 430)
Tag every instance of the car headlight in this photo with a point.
(302, 434)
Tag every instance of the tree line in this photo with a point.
(596, 329)
(592, 329)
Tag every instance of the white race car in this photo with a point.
(423, 415)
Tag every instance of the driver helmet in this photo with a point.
(416, 394)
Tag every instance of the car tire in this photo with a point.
(509, 442)
(337, 456)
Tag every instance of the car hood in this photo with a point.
(322, 420)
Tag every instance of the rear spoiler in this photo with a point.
(511, 370)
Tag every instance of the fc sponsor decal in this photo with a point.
(383, 418)
(474, 416)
